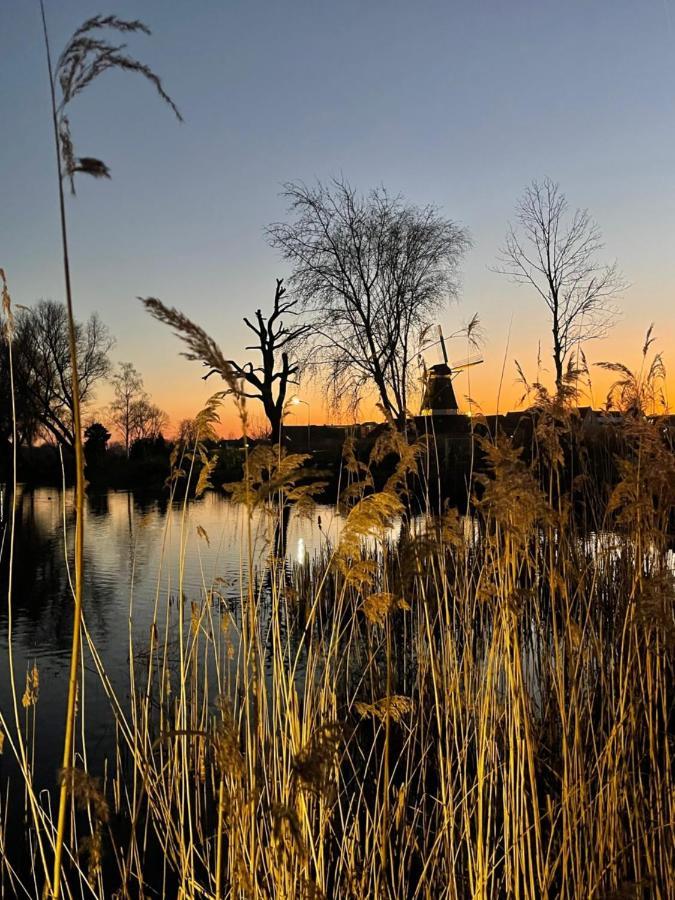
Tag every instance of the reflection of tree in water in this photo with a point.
(150, 503)
(123, 553)
(42, 596)
(98, 505)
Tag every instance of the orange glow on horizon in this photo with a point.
(181, 392)
(483, 395)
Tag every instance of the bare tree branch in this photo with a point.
(371, 272)
(557, 257)
(43, 367)
(272, 378)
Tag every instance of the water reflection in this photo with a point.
(140, 552)
(41, 576)
(98, 505)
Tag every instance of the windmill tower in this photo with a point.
(438, 398)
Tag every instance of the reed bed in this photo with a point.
(479, 707)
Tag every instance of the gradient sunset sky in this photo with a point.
(460, 104)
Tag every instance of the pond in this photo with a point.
(138, 551)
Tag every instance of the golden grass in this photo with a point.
(476, 709)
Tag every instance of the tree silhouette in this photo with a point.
(43, 368)
(268, 382)
(555, 253)
(96, 437)
(371, 272)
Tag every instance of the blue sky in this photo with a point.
(459, 104)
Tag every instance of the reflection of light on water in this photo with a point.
(609, 546)
(301, 553)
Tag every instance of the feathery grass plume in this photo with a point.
(380, 604)
(32, 691)
(450, 531)
(8, 322)
(273, 474)
(371, 517)
(638, 391)
(642, 503)
(359, 477)
(226, 742)
(91, 849)
(511, 495)
(286, 824)
(195, 452)
(86, 790)
(88, 795)
(203, 534)
(314, 766)
(207, 419)
(567, 392)
(655, 604)
(416, 553)
(208, 467)
(201, 348)
(392, 442)
(352, 464)
(396, 708)
(85, 57)
(309, 890)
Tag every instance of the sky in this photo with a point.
(458, 104)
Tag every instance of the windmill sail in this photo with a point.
(475, 360)
(441, 341)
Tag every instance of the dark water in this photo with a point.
(138, 552)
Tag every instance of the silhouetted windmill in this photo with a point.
(438, 398)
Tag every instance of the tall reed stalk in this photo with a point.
(67, 757)
(82, 61)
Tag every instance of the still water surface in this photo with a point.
(135, 550)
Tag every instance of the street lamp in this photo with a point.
(296, 401)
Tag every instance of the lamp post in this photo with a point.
(296, 401)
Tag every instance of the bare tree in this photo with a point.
(16, 412)
(128, 387)
(148, 420)
(197, 430)
(269, 381)
(555, 253)
(187, 433)
(132, 411)
(372, 272)
(43, 372)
